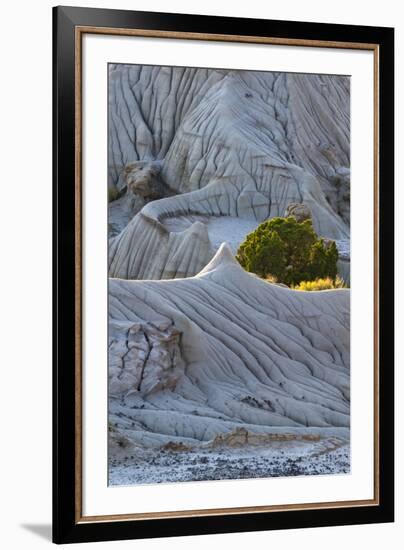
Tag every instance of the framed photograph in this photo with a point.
(223, 274)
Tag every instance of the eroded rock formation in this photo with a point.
(219, 150)
(192, 360)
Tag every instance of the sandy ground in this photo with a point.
(220, 228)
(160, 466)
(232, 230)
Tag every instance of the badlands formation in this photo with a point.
(214, 373)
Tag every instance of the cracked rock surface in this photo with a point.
(195, 359)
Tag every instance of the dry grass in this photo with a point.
(321, 284)
(113, 194)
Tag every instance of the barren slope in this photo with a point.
(204, 143)
(191, 360)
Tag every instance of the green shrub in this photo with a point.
(321, 284)
(289, 251)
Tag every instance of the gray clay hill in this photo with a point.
(213, 372)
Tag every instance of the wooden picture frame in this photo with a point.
(70, 24)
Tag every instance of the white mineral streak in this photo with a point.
(220, 144)
(226, 358)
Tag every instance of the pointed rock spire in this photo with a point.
(223, 258)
